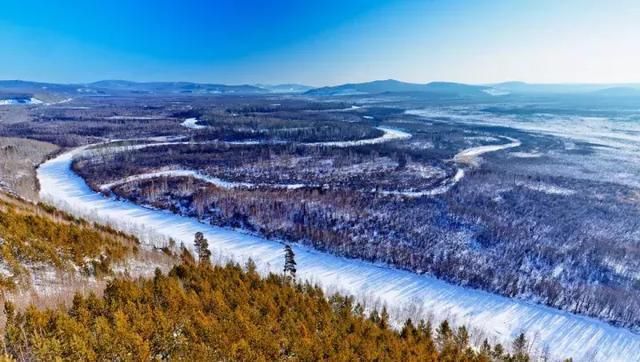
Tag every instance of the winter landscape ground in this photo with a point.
(502, 211)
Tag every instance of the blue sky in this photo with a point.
(321, 42)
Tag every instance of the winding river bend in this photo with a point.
(501, 318)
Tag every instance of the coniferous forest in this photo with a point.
(230, 313)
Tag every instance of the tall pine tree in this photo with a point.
(289, 262)
(202, 248)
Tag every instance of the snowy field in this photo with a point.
(614, 139)
(18, 101)
(408, 294)
(192, 123)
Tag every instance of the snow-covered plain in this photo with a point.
(16, 101)
(564, 334)
(617, 133)
(192, 123)
(612, 142)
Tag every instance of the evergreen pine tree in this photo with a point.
(289, 262)
(202, 248)
(425, 329)
(443, 334)
(250, 266)
(384, 318)
(520, 348)
(408, 330)
(498, 351)
(462, 338)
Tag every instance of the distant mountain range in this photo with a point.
(395, 86)
(467, 90)
(123, 86)
(26, 89)
(568, 88)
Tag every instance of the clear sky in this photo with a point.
(321, 42)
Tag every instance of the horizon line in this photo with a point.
(258, 84)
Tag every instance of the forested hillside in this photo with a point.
(46, 256)
(196, 311)
(34, 238)
(199, 312)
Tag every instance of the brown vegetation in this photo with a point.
(230, 314)
(46, 256)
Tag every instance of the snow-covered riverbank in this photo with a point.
(502, 318)
(469, 155)
(390, 134)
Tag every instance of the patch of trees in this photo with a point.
(31, 234)
(18, 158)
(356, 168)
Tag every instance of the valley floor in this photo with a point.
(563, 334)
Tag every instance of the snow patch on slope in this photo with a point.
(496, 92)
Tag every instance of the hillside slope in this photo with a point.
(46, 255)
(194, 312)
(199, 312)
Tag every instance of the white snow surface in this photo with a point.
(469, 155)
(439, 190)
(390, 134)
(13, 101)
(565, 334)
(192, 123)
(526, 154)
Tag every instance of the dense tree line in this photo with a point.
(199, 312)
